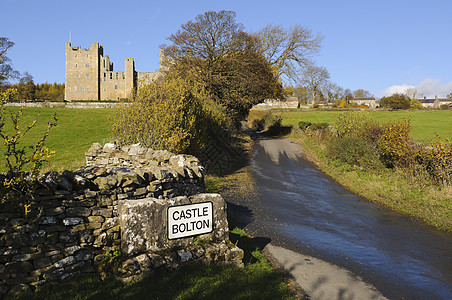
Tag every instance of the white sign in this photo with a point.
(189, 220)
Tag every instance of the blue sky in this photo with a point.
(381, 46)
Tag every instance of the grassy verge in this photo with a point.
(389, 187)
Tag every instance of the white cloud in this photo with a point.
(430, 87)
(396, 89)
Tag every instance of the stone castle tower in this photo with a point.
(90, 76)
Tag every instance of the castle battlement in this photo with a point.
(90, 76)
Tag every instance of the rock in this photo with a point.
(71, 250)
(95, 148)
(42, 262)
(106, 183)
(136, 149)
(78, 212)
(109, 147)
(184, 255)
(47, 220)
(72, 221)
(65, 262)
(18, 267)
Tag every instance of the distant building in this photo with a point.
(369, 101)
(435, 102)
(90, 76)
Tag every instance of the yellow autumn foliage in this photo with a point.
(171, 114)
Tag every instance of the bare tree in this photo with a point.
(361, 93)
(332, 91)
(288, 50)
(209, 37)
(6, 70)
(314, 78)
(412, 93)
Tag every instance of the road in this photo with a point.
(305, 219)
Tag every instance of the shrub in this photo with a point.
(171, 114)
(354, 151)
(319, 126)
(395, 143)
(23, 162)
(304, 125)
(276, 127)
(437, 160)
(350, 124)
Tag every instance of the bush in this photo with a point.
(171, 114)
(354, 151)
(395, 143)
(23, 162)
(261, 120)
(437, 160)
(304, 125)
(319, 126)
(276, 127)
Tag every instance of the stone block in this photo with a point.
(72, 221)
(104, 212)
(18, 267)
(55, 211)
(143, 222)
(78, 212)
(42, 262)
(96, 219)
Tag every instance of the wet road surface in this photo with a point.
(301, 209)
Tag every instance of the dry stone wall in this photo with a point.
(75, 220)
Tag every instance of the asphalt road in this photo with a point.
(338, 245)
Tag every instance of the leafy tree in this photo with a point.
(314, 78)
(6, 70)
(26, 87)
(288, 50)
(214, 52)
(396, 101)
(415, 104)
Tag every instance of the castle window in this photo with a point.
(75, 56)
(76, 65)
(123, 76)
(77, 75)
(87, 75)
(116, 75)
(105, 74)
(111, 75)
(87, 88)
(116, 87)
(87, 65)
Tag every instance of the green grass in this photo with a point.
(424, 124)
(76, 130)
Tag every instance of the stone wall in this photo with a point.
(78, 217)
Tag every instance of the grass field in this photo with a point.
(424, 124)
(76, 130)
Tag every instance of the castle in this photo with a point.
(90, 76)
